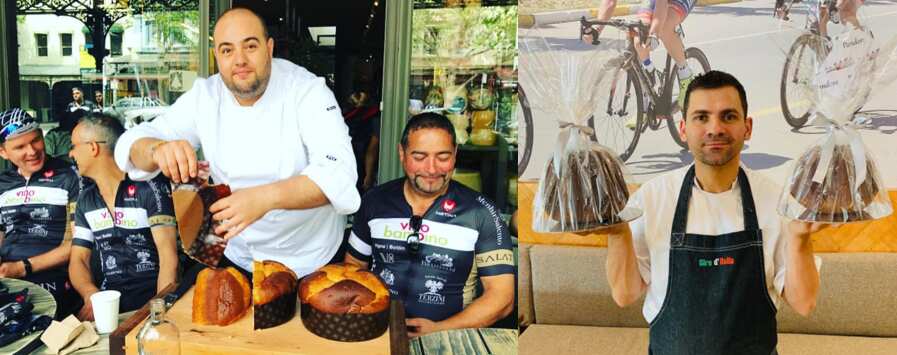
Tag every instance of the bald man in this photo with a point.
(135, 247)
(273, 132)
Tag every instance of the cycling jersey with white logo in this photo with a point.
(34, 212)
(123, 242)
(463, 238)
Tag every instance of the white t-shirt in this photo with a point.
(295, 128)
(708, 214)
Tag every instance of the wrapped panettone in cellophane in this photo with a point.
(836, 179)
(582, 186)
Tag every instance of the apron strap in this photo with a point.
(747, 202)
(680, 218)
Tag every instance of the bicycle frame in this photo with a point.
(662, 104)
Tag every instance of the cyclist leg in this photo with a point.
(673, 43)
(645, 15)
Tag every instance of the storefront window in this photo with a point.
(463, 64)
(136, 61)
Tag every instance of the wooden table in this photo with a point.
(100, 348)
(240, 338)
(474, 341)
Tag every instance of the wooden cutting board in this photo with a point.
(239, 337)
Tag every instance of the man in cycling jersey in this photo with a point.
(127, 226)
(38, 198)
(432, 239)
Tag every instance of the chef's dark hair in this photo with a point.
(715, 79)
(103, 127)
(428, 120)
(261, 20)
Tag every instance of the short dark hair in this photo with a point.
(257, 16)
(104, 127)
(428, 120)
(715, 79)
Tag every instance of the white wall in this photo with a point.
(53, 26)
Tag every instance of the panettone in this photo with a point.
(344, 302)
(274, 289)
(195, 224)
(832, 199)
(220, 297)
(590, 190)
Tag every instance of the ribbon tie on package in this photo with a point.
(840, 135)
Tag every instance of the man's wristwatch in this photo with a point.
(27, 264)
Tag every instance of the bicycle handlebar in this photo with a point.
(632, 25)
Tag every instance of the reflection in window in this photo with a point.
(66, 40)
(41, 40)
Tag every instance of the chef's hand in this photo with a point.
(420, 327)
(176, 159)
(804, 229)
(239, 210)
(12, 269)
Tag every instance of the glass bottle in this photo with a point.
(158, 335)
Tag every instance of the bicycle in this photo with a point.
(796, 74)
(627, 66)
(635, 79)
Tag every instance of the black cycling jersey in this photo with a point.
(463, 238)
(124, 242)
(34, 212)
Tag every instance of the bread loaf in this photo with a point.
(832, 200)
(344, 302)
(590, 190)
(274, 289)
(220, 297)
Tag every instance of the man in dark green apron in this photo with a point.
(714, 261)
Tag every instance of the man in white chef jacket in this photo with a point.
(273, 132)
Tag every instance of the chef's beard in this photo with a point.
(255, 89)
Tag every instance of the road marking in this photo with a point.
(697, 44)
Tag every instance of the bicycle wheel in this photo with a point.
(524, 131)
(622, 103)
(696, 60)
(796, 77)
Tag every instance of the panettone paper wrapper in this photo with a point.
(816, 192)
(578, 192)
(844, 76)
(203, 246)
(349, 327)
(276, 312)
